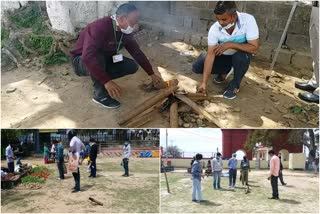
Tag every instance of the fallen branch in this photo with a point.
(174, 118)
(146, 104)
(44, 79)
(11, 56)
(95, 201)
(199, 109)
(138, 122)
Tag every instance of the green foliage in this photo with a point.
(41, 44)
(56, 58)
(20, 48)
(26, 17)
(31, 179)
(296, 109)
(4, 36)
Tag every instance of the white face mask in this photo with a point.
(128, 30)
(230, 25)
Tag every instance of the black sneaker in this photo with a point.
(107, 102)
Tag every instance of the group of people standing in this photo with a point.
(216, 163)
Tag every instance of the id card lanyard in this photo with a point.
(115, 37)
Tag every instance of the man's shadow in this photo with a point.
(289, 201)
(209, 203)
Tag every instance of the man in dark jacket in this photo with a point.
(93, 157)
(280, 172)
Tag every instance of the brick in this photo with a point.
(302, 60)
(298, 42)
(177, 34)
(187, 37)
(284, 56)
(204, 41)
(264, 53)
(300, 27)
(195, 39)
(207, 14)
(187, 22)
(200, 25)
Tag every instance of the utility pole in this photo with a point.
(165, 167)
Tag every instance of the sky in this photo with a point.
(192, 141)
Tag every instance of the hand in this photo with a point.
(269, 178)
(113, 89)
(202, 88)
(156, 80)
(222, 48)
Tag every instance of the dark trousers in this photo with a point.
(93, 168)
(126, 166)
(114, 70)
(18, 161)
(240, 62)
(11, 166)
(76, 177)
(232, 177)
(60, 168)
(281, 177)
(274, 184)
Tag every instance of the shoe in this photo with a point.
(309, 97)
(89, 176)
(194, 200)
(214, 188)
(59, 179)
(230, 93)
(275, 198)
(202, 201)
(75, 191)
(107, 102)
(284, 184)
(304, 86)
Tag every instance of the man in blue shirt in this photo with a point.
(59, 158)
(232, 165)
(196, 172)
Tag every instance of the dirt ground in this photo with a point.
(300, 195)
(138, 193)
(63, 100)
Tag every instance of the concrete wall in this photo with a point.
(185, 163)
(297, 161)
(190, 20)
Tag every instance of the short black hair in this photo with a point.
(125, 9)
(218, 154)
(225, 7)
(92, 140)
(271, 152)
(199, 156)
(54, 141)
(72, 133)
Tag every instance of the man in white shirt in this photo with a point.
(9, 157)
(76, 146)
(231, 42)
(126, 155)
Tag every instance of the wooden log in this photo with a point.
(199, 109)
(138, 122)
(174, 118)
(146, 104)
(95, 201)
(196, 95)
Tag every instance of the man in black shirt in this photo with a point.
(93, 157)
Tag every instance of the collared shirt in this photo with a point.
(97, 39)
(217, 164)
(232, 163)
(196, 170)
(76, 145)
(274, 165)
(9, 154)
(126, 151)
(246, 29)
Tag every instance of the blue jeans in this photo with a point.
(126, 166)
(232, 177)
(240, 62)
(216, 179)
(196, 187)
(93, 168)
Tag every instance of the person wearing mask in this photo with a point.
(232, 165)
(274, 174)
(196, 172)
(76, 146)
(46, 153)
(245, 168)
(126, 155)
(280, 172)
(232, 40)
(60, 158)
(97, 53)
(93, 157)
(217, 166)
(10, 158)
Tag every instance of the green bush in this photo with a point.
(41, 44)
(56, 58)
(20, 48)
(4, 36)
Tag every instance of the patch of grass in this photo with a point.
(41, 44)
(4, 36)
(21, 49)
(26, 17)
(56, 59)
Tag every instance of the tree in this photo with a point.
(11, 135)
(305, 137)
(174, 151)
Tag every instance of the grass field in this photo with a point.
(138, 193)
(301, 195)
